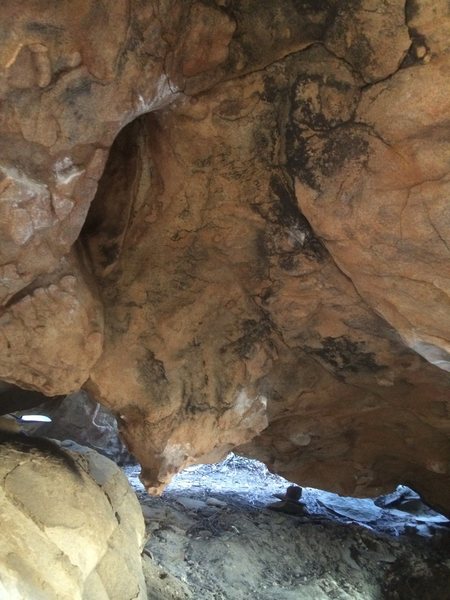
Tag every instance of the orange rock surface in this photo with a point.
(229, 222)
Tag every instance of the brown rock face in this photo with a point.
(262, 261)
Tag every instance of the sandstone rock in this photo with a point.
(64, 540)
(267, 250)
(394, 249)
(374, 40)
(58, 320)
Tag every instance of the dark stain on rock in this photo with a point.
(253, 332)
(153, 376)
(302, 6)
(82, 87)
(417, 41)
(306, 107)
(286, 208)
(261, 247)
(46, 29)
(195, 403)
(400, 579)
(110, 253)
(287, 261)
(346, 356)
(273, 90)
(313, 8)
(29, 444)
(289, 216)
(412, 8)
(342, 146)
(361, 54)
(316, 142)
(299, 157)
(264, 143)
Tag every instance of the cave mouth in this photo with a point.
(238, 482)
(210, 535)
(246, 484)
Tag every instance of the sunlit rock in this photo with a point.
(69, 535)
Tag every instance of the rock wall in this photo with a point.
(259, 259)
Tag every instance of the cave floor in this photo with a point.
(212, 537)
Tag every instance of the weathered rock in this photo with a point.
(48, 327)
(372, 39)
(64, 540)
(267, 250)
(377, 191)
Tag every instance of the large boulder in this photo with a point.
(68, 534)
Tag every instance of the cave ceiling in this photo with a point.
(229, 222)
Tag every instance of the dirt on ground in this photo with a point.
(211, 536)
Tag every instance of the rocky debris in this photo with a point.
(161, 585)
(227, 546)
(402, 498)
(66, 540)
(293, 494)
(228, 221)
(290, 502)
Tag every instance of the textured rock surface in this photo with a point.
(266, 260)
(64, 540)
(78, 418)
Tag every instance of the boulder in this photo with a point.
(74, 535)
